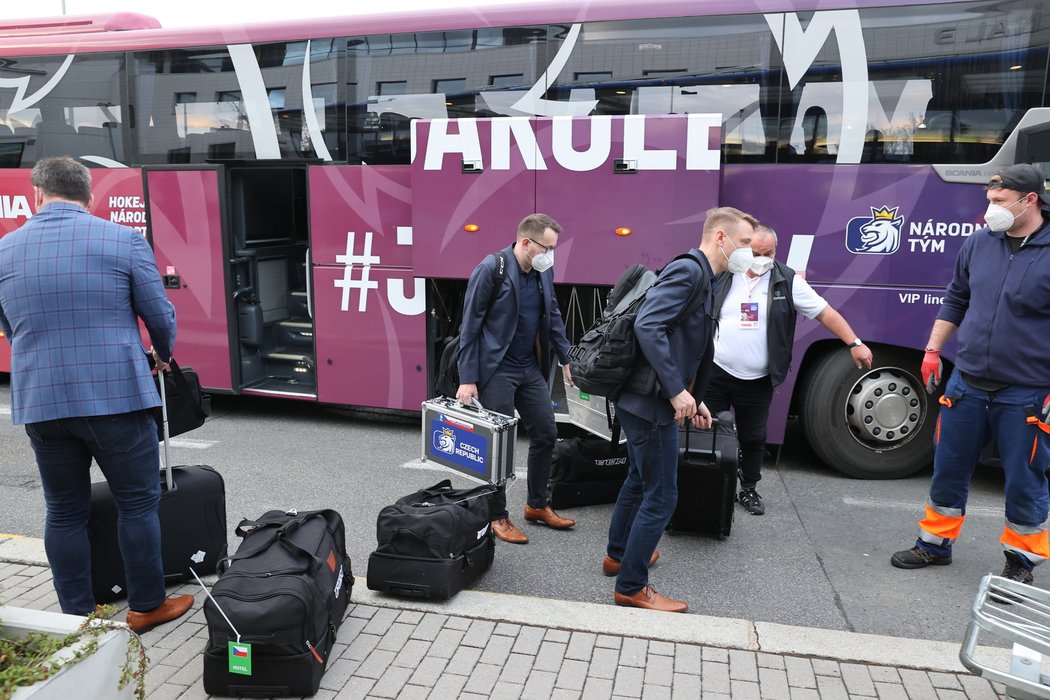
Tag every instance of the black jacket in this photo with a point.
(780, 316)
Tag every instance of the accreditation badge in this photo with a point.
(749, 315)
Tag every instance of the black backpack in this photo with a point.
(285, 591)
(607, 357)
(447, 382)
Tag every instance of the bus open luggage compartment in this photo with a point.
(1024, 621)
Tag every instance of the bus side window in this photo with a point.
(720, 64)
(394, 79)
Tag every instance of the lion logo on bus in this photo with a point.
(445, 441)
(879, 234)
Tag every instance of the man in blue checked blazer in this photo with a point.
(72, 289)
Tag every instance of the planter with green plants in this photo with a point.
(51, 656)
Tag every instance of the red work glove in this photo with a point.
(931, 370)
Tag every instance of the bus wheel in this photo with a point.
(869, 424)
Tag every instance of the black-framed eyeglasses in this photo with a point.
(545, 248)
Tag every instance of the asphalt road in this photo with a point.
(819, 557)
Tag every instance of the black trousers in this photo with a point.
(749, 399)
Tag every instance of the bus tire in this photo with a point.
(869, 424)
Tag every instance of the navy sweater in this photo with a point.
(1001, 303)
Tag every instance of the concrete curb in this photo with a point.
(726, 633)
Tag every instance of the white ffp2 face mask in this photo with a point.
(1000, 218)
(761, 264)
(543, 261)
(740, 260)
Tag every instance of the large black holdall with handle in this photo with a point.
(285, 592)
(433, 543)
(587, 471)
(707, 472)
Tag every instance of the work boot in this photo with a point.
(1015, 570)
(918, 558)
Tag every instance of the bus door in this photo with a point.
(185, 215)
(269, 284)
(367, 302)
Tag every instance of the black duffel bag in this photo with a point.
(586, 472)
(187, 403)
(439, 522)
(285, 591)
(588, 459)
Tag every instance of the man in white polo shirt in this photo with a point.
(756, 329)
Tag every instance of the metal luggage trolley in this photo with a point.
(1025, 622)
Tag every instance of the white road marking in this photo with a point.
(5, 410)
(916, 506)
(191, 444)
(429, 466)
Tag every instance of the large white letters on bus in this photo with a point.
(465, 142)
(14, 206)
(357, 275)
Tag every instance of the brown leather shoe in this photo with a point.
(649, 599)
(548, 517)
(611, 567)
(167, 611)
(505, 530)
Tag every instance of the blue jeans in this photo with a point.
(647, 499)
(526, 390)
(125, 448)
(963, 429)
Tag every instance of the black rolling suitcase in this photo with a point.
(192, 516)
(275, 610)
(707, 472)
(587, 471)
(433, 543)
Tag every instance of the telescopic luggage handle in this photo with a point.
(164, 420)
(714, 432)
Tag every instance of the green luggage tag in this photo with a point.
(240, 658)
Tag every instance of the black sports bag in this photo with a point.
(438, 522)
(285, 591)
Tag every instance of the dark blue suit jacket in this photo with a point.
(72, 290)
(674, 352)
(485, 334)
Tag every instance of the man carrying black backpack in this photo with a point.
(675, 349)
(505, 348)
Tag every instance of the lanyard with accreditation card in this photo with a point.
(749, 309)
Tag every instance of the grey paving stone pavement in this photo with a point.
(488, 645)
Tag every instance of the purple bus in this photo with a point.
(317, 192)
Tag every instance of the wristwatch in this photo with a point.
(857, 342)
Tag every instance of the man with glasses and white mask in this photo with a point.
(505, 352)
(756, 330)
(998, 303)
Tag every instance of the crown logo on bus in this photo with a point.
(884, 213)
(878, 234)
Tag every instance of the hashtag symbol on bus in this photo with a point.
(364, 263)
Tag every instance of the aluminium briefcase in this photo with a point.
(469, 440)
